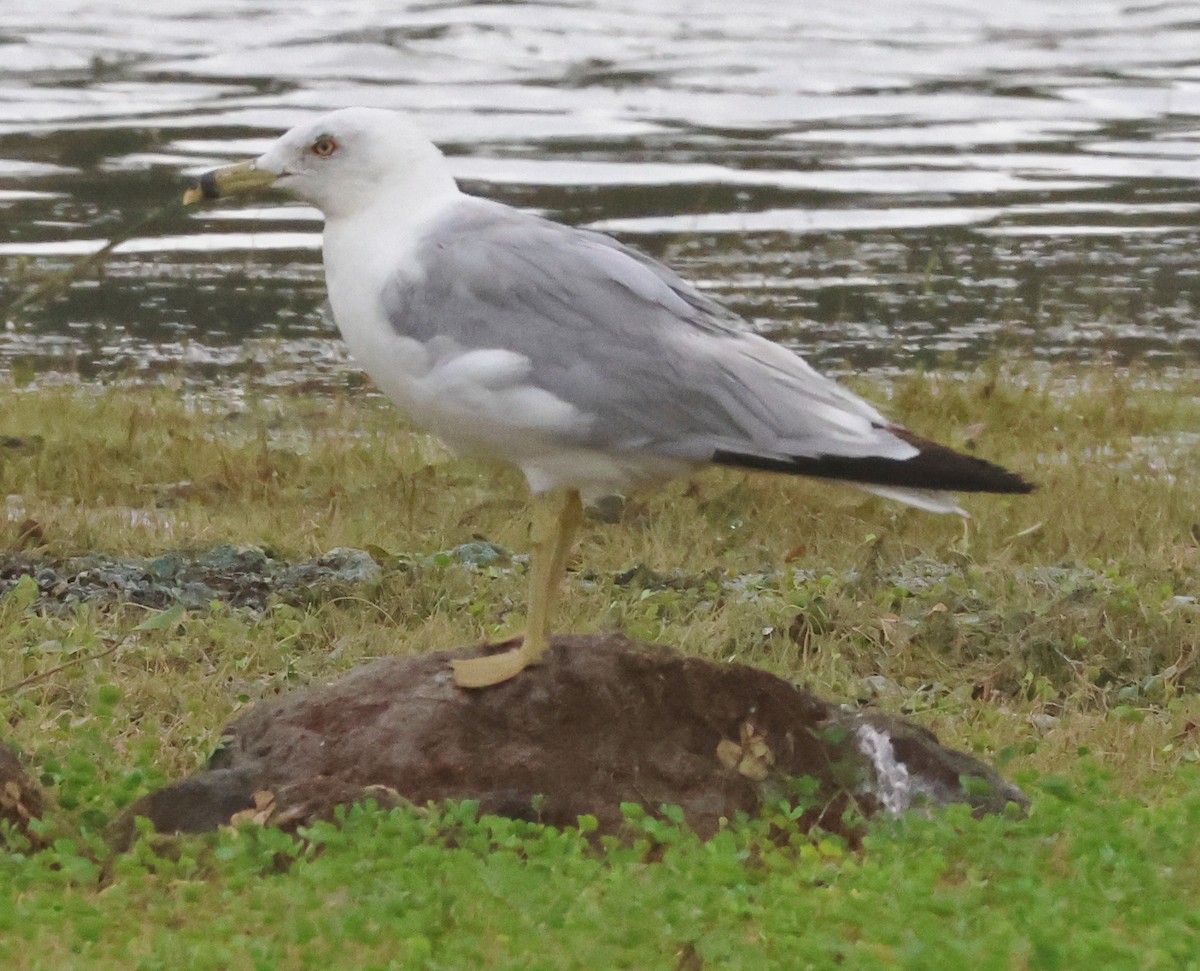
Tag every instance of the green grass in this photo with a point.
(1086, 882)
(1060, 631)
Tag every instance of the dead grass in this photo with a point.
(1059, 622)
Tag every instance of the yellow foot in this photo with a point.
(482, 672)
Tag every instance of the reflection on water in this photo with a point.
(886, 184)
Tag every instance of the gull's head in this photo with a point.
(343, 163)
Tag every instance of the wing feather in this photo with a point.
(648, 364)
(655, 365)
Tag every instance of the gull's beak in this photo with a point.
(229, 181)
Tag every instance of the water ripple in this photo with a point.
(885, 184)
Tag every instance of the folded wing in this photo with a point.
(653, 366)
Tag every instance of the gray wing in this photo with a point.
(651, 363)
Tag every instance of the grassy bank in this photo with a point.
(1059, 630)
(1087, 881)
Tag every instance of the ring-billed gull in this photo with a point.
(586, 364)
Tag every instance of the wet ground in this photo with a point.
(882, 185)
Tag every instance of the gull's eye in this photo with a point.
(324, 146)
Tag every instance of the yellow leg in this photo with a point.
(556, 520)
(570, 518)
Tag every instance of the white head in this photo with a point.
(344, 162)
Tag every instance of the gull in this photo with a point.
(588, 365)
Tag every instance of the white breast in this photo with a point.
(482, 401)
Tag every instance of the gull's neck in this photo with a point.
(372, 247)
(422, 185)
(384, 230)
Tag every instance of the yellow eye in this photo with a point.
(324, 146)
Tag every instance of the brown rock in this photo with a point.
(21, 799)
(603, 721)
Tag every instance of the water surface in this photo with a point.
(883, 185)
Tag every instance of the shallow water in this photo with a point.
(883, 185)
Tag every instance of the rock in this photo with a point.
(21, 799)
(197, 804)
(603, 721)
(477, 553)
(243, 576)
(606, 509)
(339, 565)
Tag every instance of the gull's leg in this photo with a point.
(556, 519)
(570, 518)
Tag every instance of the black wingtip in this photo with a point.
(972, 474)
(933, 467)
